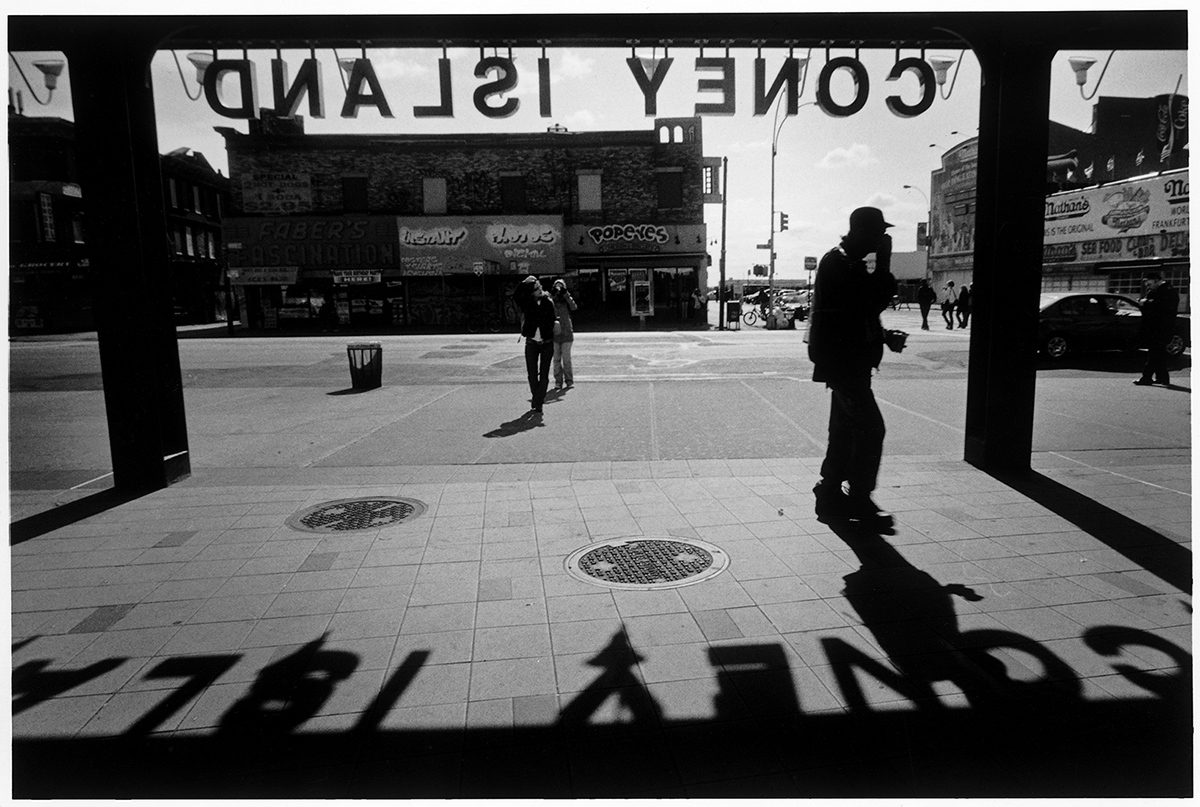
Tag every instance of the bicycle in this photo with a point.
(753, 315)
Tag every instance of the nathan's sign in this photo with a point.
(500, 76)
(1137, 219)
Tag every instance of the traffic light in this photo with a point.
(783, 217)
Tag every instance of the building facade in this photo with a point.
(1116, 204)
(196, 196)
(403, 232)
(49, 274)
(50, 277)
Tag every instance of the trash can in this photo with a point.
(366, 364)
(733, 314)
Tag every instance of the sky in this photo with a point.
(825, 166)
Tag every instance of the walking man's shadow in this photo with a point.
(527, 421)
(913, 620)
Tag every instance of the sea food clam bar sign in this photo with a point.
(1134, 220)
(448, 245)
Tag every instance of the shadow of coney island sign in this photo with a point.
(276, 720)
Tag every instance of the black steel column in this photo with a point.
(126, 234)
(1011, 190)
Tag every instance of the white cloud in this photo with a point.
(582, 121)
(856, 156)
(397, 64)
(749, 147)
(572, 64)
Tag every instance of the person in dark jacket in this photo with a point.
(845, 343)
(926, 297)
(537, 327)
(964, 305)
(1160, 305)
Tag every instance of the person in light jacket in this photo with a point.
(538, 329)
(949, 303)
(564, 304)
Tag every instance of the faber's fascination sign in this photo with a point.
(500, 74)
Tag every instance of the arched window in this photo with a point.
(678, 138)
(664, 135)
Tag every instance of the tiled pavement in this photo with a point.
(1005, 640)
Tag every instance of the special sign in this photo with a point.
(363, 88)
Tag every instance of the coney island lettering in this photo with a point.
(652, 233)
(231, 87)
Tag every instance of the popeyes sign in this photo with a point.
(364, 89)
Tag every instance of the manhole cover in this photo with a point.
(646, 563)
(345, 515)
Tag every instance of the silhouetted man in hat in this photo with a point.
(845, 343)
(1159, 308)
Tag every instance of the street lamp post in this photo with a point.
(777, 127)
(928, 222)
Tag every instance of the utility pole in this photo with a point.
(724, 208)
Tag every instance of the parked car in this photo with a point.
(795, 303)
(1076, 322)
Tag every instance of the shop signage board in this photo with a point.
(264, 275)
(636, 237)
(437, 245)
(276, 192)
(313, 242)
(352, 276)
(1131, 220)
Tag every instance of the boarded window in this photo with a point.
(589, 192)
(435, 195)
(354, 194)
(670, 188)
(512, 193)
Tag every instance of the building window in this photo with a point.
(435, 195)
(178, 237)
(589, 191)
(670, 188)
(354, 194)
(77, 229)
(212, 245)
(173, 191)
(189, 240)
(199, 208)
(512, 193)
(46, 209)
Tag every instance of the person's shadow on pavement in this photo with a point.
(527, 421)
(913, 620)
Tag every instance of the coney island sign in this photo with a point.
(500, 75)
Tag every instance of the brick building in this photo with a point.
(49, 273)
(196, 196)
(434, 231)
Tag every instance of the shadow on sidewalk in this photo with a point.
(65, 514)
(1153, 551)
(527, 421)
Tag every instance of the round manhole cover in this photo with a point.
(345, 515)
(647, 563)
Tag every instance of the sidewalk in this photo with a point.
(1007, 640)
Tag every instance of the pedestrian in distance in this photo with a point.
(537, 327)
(1160, 305)
(964, 305)
(564, 335)
(926, 297)
(949, 301)
(845, 344)
(698, 304)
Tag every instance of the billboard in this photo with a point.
(437, 245)
(1136, 219)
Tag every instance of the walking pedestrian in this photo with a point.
(538, 330)
(698, 303)
(564, 335)
(926, 297)
(949, 301)
(964, 306)
(1160, 305)
(845, 343)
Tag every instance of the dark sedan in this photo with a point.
(1095, 321)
